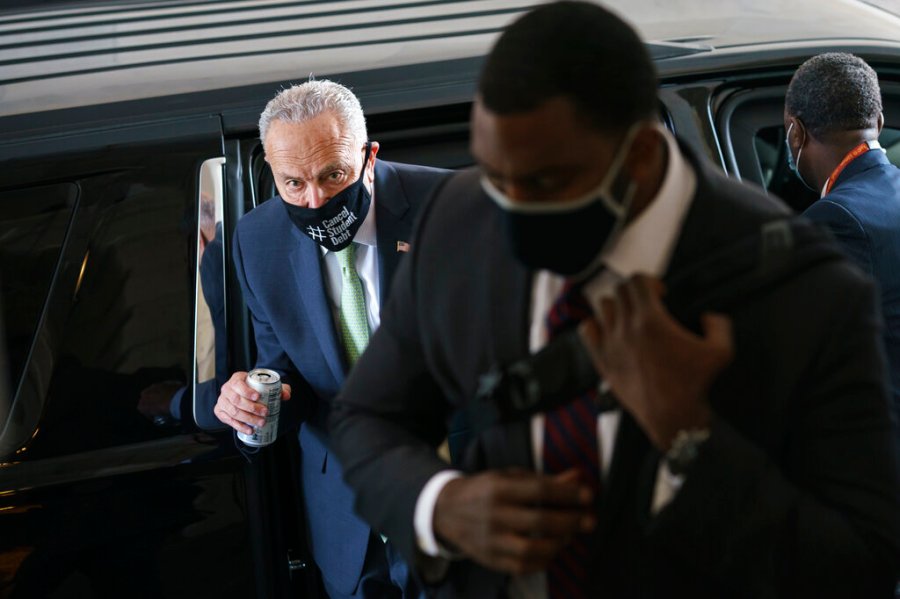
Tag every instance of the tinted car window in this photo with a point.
(33, 226)
(130, 323)
(118, 329)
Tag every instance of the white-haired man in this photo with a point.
(315, 265)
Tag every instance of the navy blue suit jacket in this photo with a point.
(863, 212)
(280, 272)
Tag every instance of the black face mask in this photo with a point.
(334, 224)
(566, 243)
(566, 238)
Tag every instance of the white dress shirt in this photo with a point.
(366, 268)
(645, 246)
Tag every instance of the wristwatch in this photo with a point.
(685, 449)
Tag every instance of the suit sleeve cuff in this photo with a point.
(424, 515)
(175, 403)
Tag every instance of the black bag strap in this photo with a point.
(721, 281)
(779, 250)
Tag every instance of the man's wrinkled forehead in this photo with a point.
(321, 138)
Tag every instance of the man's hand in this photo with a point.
(659, 370)
(237, 405)
(513, 521)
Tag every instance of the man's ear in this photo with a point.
(798, 134)
(370, 166)
(646, 154)
(880, 122)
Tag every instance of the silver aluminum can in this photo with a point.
(268, 384)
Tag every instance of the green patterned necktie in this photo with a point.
(354, 322)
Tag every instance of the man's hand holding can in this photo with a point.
(250, 403)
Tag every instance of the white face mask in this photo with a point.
(601, 193)
(794, 165)
(567, 237)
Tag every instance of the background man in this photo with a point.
(833, 117)
(752, 453)
(315, 265)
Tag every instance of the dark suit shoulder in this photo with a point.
(749, 200)
(871, 196)
(459, 192)
(264, 231)
(459, 217)
(722, 212)
(424, 173)
(740, 203)
(418, 181)
(267, 214)
(737, 204)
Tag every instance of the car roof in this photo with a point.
(730, 23)
(69, 57)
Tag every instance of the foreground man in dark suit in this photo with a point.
(312, 311)
(833, 117)
(751, 454)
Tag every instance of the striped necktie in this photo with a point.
(354, 322)
(570, 441)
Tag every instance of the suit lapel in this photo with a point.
(710, 223)
(306, 267)
(509, 305)
(510, 302)
(695, 236)
(631, 477)
(393, 223)
(503, 287)
(626, 475)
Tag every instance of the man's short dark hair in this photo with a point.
(834, 92)
(576, 50)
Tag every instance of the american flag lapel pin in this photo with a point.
(402, 246)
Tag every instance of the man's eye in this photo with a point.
(294, 184)
(335, 176)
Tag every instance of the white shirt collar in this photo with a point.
(646, 244)
(366, 232)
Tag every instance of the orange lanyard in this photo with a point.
(850, 157)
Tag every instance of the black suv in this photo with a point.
(129, 150)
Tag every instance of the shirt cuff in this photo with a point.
(175, 403)
(423, 518)
(667, 486)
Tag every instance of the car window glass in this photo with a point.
(778, 178)
(890, 141)
(121, 350)
(33, 226)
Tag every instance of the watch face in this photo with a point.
(685, 449)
